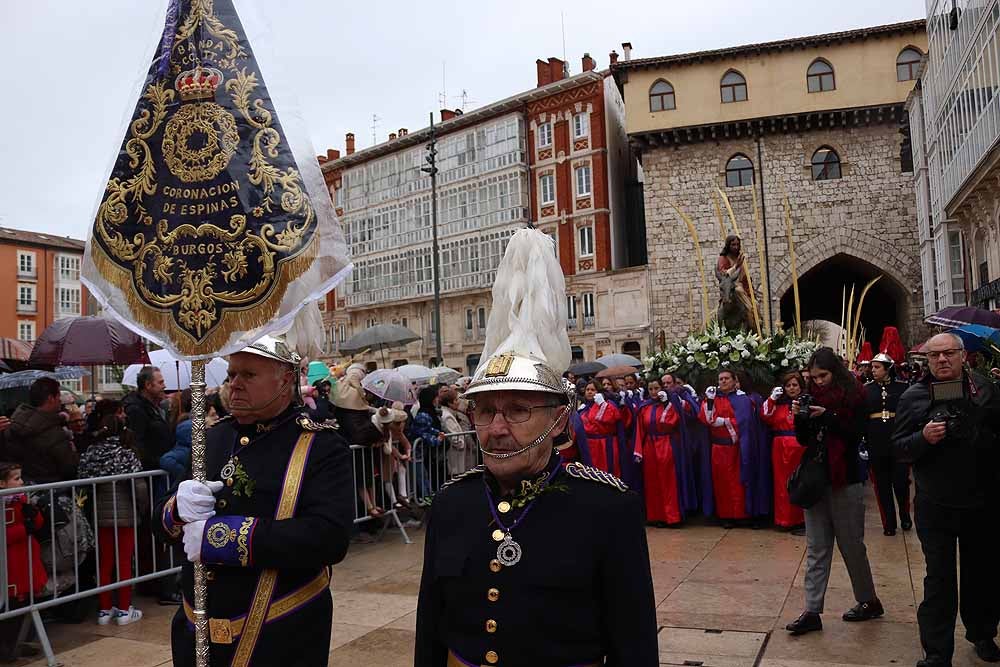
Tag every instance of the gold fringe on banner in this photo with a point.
(233, 319)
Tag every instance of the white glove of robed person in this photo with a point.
(599, 399)
(691, 390)
(710, 393)
(194, 533)
(196, 500)
(628, 392)
(662, 396)
(777, 393)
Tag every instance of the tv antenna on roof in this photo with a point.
(375, 120)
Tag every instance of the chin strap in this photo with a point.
(534, 443)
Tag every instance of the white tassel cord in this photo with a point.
(529, 303)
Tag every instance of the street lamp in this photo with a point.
(431, 169)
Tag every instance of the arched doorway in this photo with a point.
(821, 291)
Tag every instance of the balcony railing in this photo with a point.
(571, 323)
(27, 306)
(588, 321)
(986, 293)
(26, 273)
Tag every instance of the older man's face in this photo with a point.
(259, 388)
(945, 357)
(507, 421)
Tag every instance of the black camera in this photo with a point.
(947, 403)
(805, 402)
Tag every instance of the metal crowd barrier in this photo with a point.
(69, 547)
(68, 539)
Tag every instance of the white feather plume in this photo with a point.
(529, 303)
(306, 333)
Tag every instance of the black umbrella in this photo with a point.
(585, 368)
(379, 337)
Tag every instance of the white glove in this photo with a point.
(691, 390)
(710, 393)
(777, 393)
(629, 393)
(599, 399)
(194, 533)
(662, 396)
(719, 421)
(642, 392)
(196, 500)
(621, 395)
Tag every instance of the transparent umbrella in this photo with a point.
(423, 375)
(390, 386)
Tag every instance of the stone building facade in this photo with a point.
(758, 121)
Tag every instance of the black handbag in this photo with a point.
(811, 479)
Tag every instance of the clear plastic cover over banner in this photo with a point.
(216, 227)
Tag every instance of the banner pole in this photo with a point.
(201, 644)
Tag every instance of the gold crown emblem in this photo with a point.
(198, 83)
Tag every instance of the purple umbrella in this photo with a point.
(87, 341)
(956, 316)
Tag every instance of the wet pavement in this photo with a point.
(723, 598)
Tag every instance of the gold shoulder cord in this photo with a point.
(265, 585)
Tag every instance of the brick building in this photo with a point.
(556, 155)
(817, 117)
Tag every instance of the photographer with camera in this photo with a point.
(831, 419)
(947, 425)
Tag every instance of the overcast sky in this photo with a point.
(69, 69)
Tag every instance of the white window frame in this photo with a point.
(581, 125)
(588, 304)
(32, 268)
(30, 326)
(547, 189)
(32, 294)
(584, 186)
(60, 309)
(470, 319)
(585, 235)
(571, 306)
(72, 267)
(482, 317)
(543, 136)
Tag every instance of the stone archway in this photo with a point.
(821, 290)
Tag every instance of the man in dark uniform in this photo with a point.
(890, 475)
(530, 562)
(279, 514)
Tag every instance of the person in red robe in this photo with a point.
(656, 420)
(786, 451)
(717, 413)
(603, 426)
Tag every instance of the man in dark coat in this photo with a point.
(38, 439)
(890, 475)
(277, 513)
(146, 419)
(948, 424)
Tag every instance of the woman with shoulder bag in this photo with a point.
(832, 421)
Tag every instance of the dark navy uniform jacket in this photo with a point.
(581, 594)
(878, 431)
(301, 548)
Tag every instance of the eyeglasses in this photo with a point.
(943, 354)
(483, 415)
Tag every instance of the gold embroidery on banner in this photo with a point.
(198, 143)
(242, 544)
(294, 473)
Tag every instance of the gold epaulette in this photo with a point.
(578, 470)
(222, 420)
(471, 472)
(308, 424)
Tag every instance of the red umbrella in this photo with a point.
(87, 341)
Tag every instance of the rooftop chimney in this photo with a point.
(627, 50)
(613, 57)
(447, 114)
(349, 143)
(588, 63)
(392, 136)
(403, 132)
(331, 154)
(544, 73)
(558, 69)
